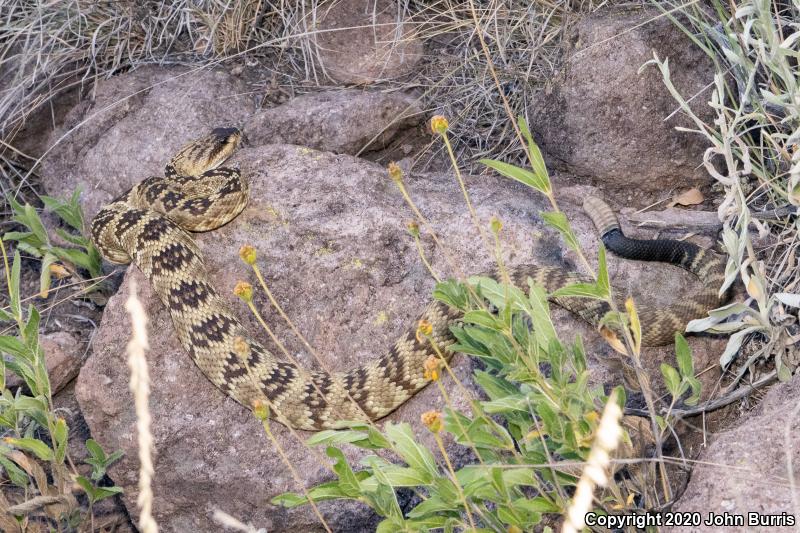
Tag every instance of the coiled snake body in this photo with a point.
(148, 225)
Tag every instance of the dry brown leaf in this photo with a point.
(612, 340)
(691, 197)
(59, 271)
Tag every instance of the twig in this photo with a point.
(713, 405)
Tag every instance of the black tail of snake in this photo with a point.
(149, 223)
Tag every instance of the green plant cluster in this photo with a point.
(753, 156)
(36, 242)
(33, 450)
(534, 433)
(537, 423)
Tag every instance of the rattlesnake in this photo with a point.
(148, 225)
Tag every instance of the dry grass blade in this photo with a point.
(140, 386)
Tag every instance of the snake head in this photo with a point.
(221, 144)
(206, 153)
(228, 135)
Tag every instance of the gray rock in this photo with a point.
(334, 250)
(346, 121)
(369, 44)
(605, 121)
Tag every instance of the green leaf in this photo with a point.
(30, 249)
(684, 356)
(78, 240)
(507, 404)
(603, 283)
(328, 491)
(537, 161)
(34, 223)
(44, 276)
(335, 436)
(508, 516)
(498, 484)
(95, 450)
(581, 290)
(446, 490)
(452, 293)
(543, 330)
(30, 332)
(398, 476)
(35, 446)
(526, 177)
(348, 482)
(289, 500)
(13, 346)
(325, 491)
(21, 236)
(68, 210)
(433, 505)
(17, 476)
(16, 307)
(558, 220)
(672, 379)
(494, 386)
(74, 256)
(536, 505)
(416, 456)
(482, 318)
(60, 435)
(378, 441)
(551, 421)
(94, 493)
(22, 369)
(696, 387)
(101, 493)
(499, 295)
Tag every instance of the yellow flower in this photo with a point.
(496, 225)
(432, 365)
(433, 421)
(424, 329)
(244, 291)
(413, 228)
(260, 409)
(395, 172)
(248, 254)
(439, 124)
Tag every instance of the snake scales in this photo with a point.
(149, 223)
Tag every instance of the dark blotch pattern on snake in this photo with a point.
(149, 225)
